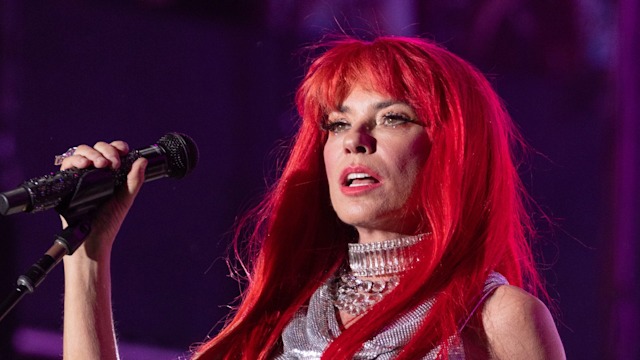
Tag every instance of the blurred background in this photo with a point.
(224, 72)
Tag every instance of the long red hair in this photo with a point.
(469, 198)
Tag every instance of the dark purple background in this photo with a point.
(224, 72)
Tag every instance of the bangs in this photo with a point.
(375, 66)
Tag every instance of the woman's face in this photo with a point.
(374, 153)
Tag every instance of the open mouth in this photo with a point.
(359, 179)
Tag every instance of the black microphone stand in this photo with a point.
(65, 243)
(93, 189)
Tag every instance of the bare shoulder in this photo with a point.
(519, 326)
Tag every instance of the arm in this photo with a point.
(519, 326)
(88, 323)
(88, 320)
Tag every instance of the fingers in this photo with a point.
(101, 155)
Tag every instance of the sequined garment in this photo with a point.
(315, 326)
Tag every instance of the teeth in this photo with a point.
(354, 176)
(358, 176)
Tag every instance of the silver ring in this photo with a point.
(58, 159)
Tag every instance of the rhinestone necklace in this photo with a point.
(384, 258)
(356, 296)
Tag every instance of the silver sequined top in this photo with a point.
(314, 326)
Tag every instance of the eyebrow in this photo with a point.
(377, 106)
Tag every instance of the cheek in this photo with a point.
(413, 154)
(411, 162)
(330, 166)
(326, 157)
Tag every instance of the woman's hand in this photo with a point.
(108, 219)
(88, 320)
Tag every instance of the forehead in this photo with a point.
(364, 99)
(363, 92)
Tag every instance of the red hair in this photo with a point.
(469, 198)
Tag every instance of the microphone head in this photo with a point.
(181, 152)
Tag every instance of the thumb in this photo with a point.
(135, 178)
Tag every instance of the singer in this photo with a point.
(397, 230)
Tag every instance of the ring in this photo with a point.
(58, 159)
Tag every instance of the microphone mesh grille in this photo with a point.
(181, 152)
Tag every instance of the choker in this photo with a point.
(354, 295)
(384, 258)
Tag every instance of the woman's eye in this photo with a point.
(335, 126)
(394, 119)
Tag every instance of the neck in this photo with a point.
(366, 235)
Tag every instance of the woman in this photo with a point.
(404, 152)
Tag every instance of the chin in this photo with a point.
(369, 221)
(388, 221)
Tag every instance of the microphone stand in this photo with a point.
(65, 243)
(93, 189)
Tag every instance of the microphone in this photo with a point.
(174, 155)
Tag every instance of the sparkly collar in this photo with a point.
(384, 258)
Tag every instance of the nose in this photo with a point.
(359, 140)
